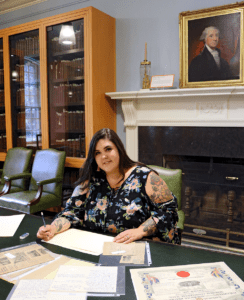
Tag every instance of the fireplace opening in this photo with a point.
(212, 162)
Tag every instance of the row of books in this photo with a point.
(1, 76)
(26, 47)
(21, 120)
(70, 120)
(64, 94)
(64, 69)
(1, 97)
(72, 147)
(2, 122)
(79, 43)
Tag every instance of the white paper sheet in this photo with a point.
(39, 290)
(9, 224)
(79, 240)
(85, 279)
(31, 290)
(188, 282)
(66, 296)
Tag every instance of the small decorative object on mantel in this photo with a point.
(159, 82)
(145, 71)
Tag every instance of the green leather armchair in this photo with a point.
(173, 179)
(45, 189)
(17, 161)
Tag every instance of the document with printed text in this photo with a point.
(188, 282)
(85, 279)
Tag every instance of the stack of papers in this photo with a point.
(23, 257)
(79, 240)
(116, 254)
(133, 253)
(46, 270)
(70, 283)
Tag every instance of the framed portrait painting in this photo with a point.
(211, 47)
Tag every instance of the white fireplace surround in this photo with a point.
(211, 107)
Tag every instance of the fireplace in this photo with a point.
(200, 131)
(212, 162)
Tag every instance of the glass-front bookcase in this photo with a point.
(54, 90)
(65, 60)
(3, 146)
(25, 89)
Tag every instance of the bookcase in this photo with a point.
(52, 95)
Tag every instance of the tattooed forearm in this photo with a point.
(61, 224)
(161, 192)
(149, 226)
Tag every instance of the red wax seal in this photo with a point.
(183, 274)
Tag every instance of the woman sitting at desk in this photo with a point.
(117, 195)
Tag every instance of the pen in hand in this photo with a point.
(43, 219)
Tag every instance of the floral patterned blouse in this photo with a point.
(104, 209)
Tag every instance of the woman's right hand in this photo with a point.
(46, 232)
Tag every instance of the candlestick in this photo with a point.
(145, 70)
(145, 51)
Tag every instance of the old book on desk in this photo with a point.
(79, 240)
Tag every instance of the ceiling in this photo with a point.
(7, 6)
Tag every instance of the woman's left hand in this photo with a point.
(129, 236)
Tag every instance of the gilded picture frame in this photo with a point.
(211, 47)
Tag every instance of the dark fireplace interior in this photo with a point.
(212, 162)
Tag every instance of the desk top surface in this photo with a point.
(162, 254)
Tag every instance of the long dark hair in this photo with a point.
(89, 168)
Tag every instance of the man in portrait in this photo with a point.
(209, 65)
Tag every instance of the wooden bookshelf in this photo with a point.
(88, 71)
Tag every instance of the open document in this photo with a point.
(188, 282)
(22, 257)
(9, 224)
(96, 281)
(79, 240)
(39, 290)
(85, 279)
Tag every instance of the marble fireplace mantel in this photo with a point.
(211, 107)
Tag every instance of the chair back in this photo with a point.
(48, 164)
(18, 160)
(173, 179)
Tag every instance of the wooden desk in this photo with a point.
(162, 255)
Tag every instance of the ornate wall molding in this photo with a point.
(211, 107)
(212, 110)
(129, 110)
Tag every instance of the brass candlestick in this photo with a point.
(145, 71)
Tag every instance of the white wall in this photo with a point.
(137, 21)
